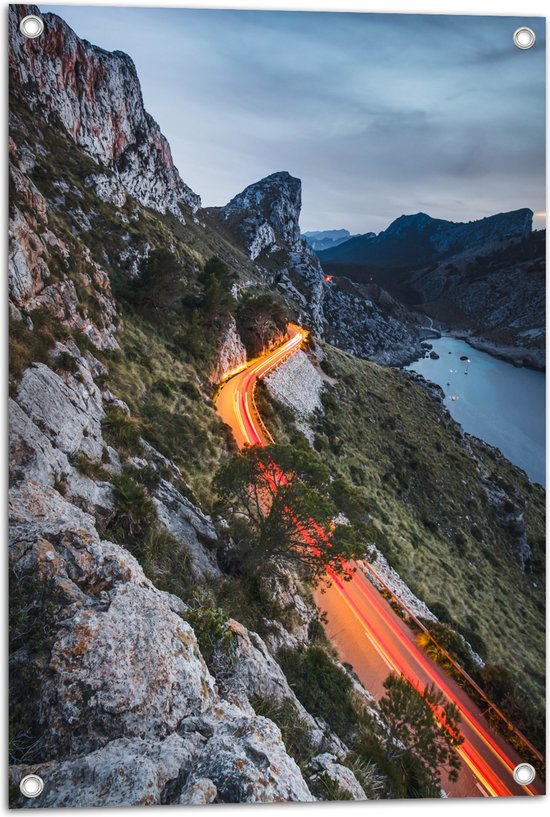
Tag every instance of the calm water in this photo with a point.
(498, 402)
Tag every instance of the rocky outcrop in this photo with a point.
(231, 354)
(126, 687)
(252, 673)
(96, 97)
(54, 417)
(265, 216)
(36, 256)
(327, 764)
(263, 220)
(188, 524)
(298, 384)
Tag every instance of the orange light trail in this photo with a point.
(234, 405)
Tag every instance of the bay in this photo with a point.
(492, 399)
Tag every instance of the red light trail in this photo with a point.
(485, 753)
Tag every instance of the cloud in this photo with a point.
(378, 114)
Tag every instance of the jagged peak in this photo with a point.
(279, 184)
(96, 96)
(268, 212)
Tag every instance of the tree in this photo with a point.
(160, 283)
(260, 319)
(217, 301)
(423, 733)
(280, 509)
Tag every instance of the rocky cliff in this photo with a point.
(111, 699)
(95, 96)
(264, 221)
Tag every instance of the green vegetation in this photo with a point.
(402, 758)
(417, 740)
(28, 345)
(277, 498)
(33, 614)
(88, 467)
(134, 509)
(260, 318)
(295, 731)
(168, 407)
(322, 687)
(430, 514)
(209, 623)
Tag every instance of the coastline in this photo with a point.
(516, 355)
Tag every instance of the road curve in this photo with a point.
(365, 629)
(235, 400)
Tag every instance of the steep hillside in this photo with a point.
(485, 278)
(462, 526)
(122, 317)
(498, 297)
(146, 667)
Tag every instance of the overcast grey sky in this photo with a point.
(378, 114)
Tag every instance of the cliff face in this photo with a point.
(264, 221)
(266, 214)
(96, 97)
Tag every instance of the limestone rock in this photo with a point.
(69, 413)
(298, 384)
(33, 457)
(246, 762)
(231, 354)
(96, 96)
(191, 527)
(342, 776)
(125, 772)
(266, 214)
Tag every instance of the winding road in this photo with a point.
(365, 629)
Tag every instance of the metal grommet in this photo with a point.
(31, 785)
(31, 26)
(524, 38)
(524, 774)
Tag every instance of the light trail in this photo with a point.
(234, 406)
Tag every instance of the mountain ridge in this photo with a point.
(97, 100)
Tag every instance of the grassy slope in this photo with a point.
(379, 429)
(435, 525)
(166, 388)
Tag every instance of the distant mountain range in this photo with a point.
(485, 277)
(415, 242)
(320, 240)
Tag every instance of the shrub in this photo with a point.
(121, 429)
(326, 788)
(33, 613)
(134, 509)
(88, 467)
(323, 688)
(165, 560)
(295, 731)
(209, 623)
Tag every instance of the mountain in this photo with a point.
(361, 319)
(131, 681)
(416, 241)
(323, 239)
(95, 97)
(484, 279)
(496, 297)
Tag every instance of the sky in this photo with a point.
(379, 115)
